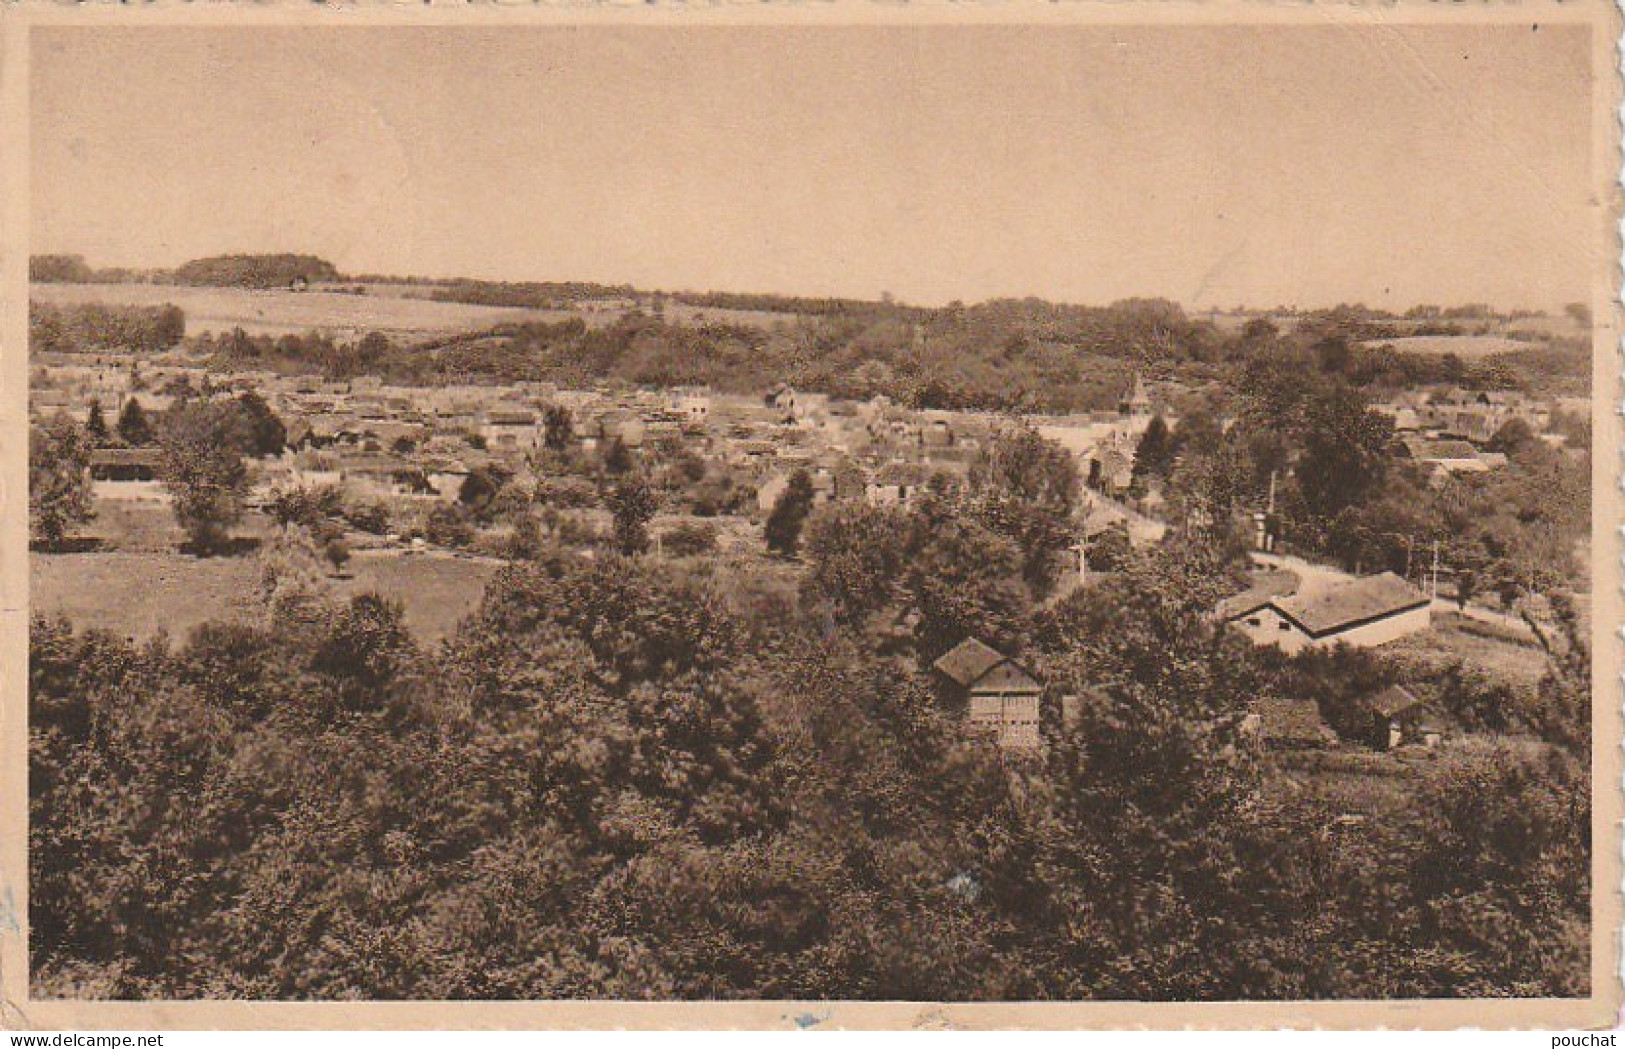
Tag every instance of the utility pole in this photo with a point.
(1266, 538)
(1434, 587)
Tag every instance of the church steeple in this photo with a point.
(1136, 403)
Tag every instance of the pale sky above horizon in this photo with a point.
(1216, 167)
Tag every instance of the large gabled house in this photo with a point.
(1362, 612)
(996, 694)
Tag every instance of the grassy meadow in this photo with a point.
(137, 581)
(280, 312)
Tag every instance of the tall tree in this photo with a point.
(480, 488)
(618, 457)
(204, 471)
(558, 428)
(1514, 436)
(1151, 765)
(1154, 455)
(857, 553)
(266, 435)
(789, 513)
(1025, 488)
(58, 478)
(632, 504)
(1345, 446)
(133, 427)
(96, 424)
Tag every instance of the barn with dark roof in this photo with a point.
(995, 693)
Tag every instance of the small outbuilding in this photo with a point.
(125, 464)
(996, 693)
(1398, 717)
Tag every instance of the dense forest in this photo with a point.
(633, 779)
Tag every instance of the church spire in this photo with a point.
(1136, 403)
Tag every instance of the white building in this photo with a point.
(1363, 612)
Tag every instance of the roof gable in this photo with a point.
(968, 661)
(1006, 676)
(1392, 700)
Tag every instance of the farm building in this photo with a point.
(127, 473)
(1398, 717)
(622, 425)
(1265, 585)
(1111, 471)
(781, 398)
(691, 403)
(896, 484)
(1363, 612)
(125, 464)
(510, 428)
(1406, 419)
(1449, 456)
(996, 694)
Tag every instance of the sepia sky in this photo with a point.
(1257, 166)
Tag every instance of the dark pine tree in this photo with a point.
(790, 510)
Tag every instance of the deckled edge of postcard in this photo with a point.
(1601, 1010)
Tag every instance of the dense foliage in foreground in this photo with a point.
(623, 779)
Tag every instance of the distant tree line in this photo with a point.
(528, 294)
(1004, 356)
(60, 269)
(788, 304)
(230, 271)
(255, 271)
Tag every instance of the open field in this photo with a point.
(1475, 645)
(136, 594)
(438, 590)
(281, 312)
(393, 309)
(138, 580)
(1467, 347)
(1350, 780)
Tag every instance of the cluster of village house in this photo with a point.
(1446, 430)
(377, 440)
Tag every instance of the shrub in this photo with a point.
(372, 518)
(689, 539)
(449, 525)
